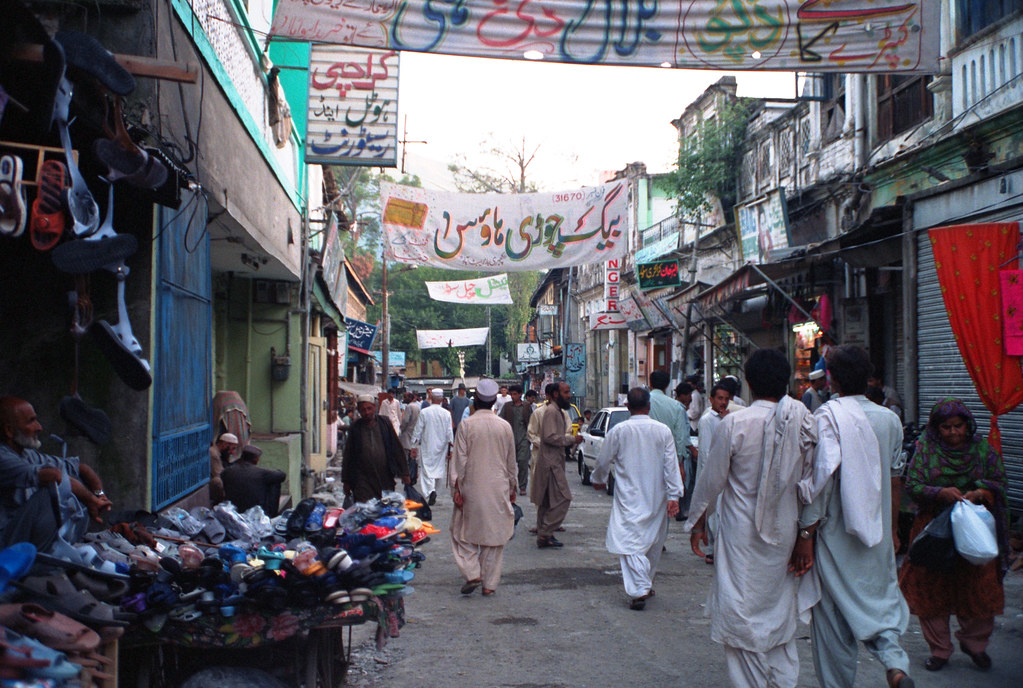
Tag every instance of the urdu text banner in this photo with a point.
(793, 35)
(504, 232)
(483, 290)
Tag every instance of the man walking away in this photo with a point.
(483, 488)
(647, 489)
(409, 418)
(719, 398)
(550, 491)
(459, 403)
(517, 414)
(758, 456)
(431, 442)
(852, 516)
(673, 414)
(815, 395)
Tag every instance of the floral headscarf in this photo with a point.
(973, 465)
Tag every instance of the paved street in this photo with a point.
(560, 619)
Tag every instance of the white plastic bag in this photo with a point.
(973, 528)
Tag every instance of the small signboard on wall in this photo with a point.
(661, 273)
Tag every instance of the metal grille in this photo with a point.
(804, 136)
(748, 171)
(764, 162)
(943, 373)
(785, 152)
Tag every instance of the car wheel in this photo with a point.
(610, 485)
(579, 461)
(585, 479)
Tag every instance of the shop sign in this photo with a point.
(547, 309)
(607, 321)
(528, 353)
(663, 273)
(395, 359)
(575, 368)
(652, 313)
(360, 335)
(352, 107)
(634, 318)
(495, 232)
(612, 284)
(789, 35)
(661, 247)
(763, 226)
(333, 264)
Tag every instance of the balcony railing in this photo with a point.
(986, 76)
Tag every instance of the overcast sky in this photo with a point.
(586, 119)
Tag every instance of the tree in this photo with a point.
(708, 159)
(503, 169)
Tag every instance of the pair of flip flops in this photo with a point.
(12, 197)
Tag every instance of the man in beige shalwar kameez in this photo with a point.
(550, 491)
(484, 479)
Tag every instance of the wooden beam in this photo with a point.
(137, 65)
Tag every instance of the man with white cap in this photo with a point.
(431, 444)
(815, 395)
(483, 481)
(221, 452)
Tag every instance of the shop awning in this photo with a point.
(357, 388)
(326, 304)
(875, 242)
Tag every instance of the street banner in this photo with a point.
(395, 359)
(607, 321)
(439, 339)
(360, 335)
(575, 368)
(482, 290)
(793, 35)
(352, 106)
(502, 232)
(663, 273)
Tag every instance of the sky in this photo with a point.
(586, 119)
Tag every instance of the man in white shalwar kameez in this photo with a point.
(432, 440)
(758, 456)
(648, 486)
(852, 516)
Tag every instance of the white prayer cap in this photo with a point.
(816, 374)
(363, 398)
(486, 390)
(229, 437)
(437, 392)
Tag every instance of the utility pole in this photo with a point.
(490, 337)
(385, 346)
(404, 141)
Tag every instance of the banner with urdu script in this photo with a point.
(794, 35)
(502, 232)
(439, 339)
(488, 290)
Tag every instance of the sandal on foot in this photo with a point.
(897, 678)
(981, 659)
(935, 663)
(470, 586)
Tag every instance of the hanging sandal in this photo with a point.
(104, 248)
(118, 151)
(12, 197)
(85, 53)
(118, 343)
(46, 226)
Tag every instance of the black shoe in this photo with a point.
(638, 603)
(544, 543)
(432, 499)
(935, 663)
(981, 659)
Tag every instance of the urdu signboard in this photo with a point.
(662, 273)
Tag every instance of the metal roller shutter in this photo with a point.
(942, 372)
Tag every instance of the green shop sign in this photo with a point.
(662, 273)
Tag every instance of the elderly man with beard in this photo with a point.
(43, 498)
(373, 456)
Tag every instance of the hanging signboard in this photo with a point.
(547, 309)
(501, 232)
(575, 368)
(661, 247)
(763, 226)
(352, 107)
(663, 273)
(652, 313)
(612, 283)
(439, 339)
(333, 263)
(634, 318)
(483, 290)
(360, 335)
(395, 359)
(795, 35)
(528, 353)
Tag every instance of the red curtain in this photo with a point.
(968, 259)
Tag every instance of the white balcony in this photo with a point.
(986, 74)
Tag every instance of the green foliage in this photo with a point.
(708, 160)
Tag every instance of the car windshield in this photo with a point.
(616, 418)
(574, 413)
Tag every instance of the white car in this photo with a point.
(593, 438)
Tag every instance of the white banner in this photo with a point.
(483, 290)
(352, 106)
(440, 339)
(502, 232)
(793, 35)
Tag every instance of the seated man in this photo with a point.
(221, 452)
(42, 497)
(247, 485)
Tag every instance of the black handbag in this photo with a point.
(424, 513)
(934, 548)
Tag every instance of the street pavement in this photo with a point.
(560, 619)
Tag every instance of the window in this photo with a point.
(902, 103)
(974, 15)
(617, 417)
(833, 106)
